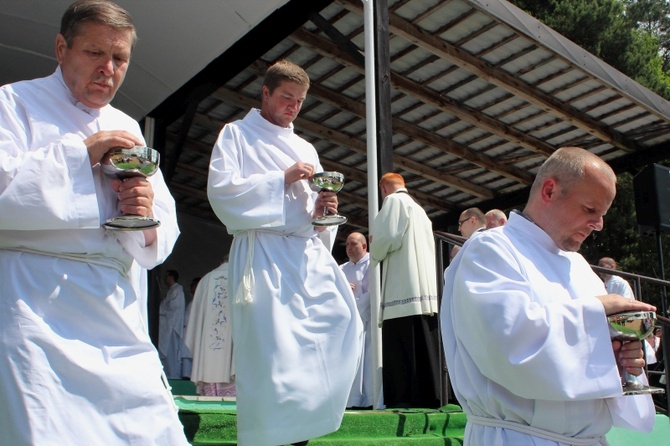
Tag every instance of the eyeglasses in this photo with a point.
(460, 222)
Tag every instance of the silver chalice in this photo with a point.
(121, 163)
(332, 181)
(633, 326)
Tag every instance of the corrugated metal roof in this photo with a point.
(481, 94)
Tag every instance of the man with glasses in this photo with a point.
(472, 221)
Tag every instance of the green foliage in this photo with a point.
(646, 63)
(630, 35)
(592, 24)
(653, 17)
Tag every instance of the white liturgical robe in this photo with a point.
(171, 330)
(528, 345)
(357, 273)
(208, 333)
(403, 240)
(78, 366)
(619, 285)
(296, 332)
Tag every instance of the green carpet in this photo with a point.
(182, 387)
(212, 421)
(660, 436)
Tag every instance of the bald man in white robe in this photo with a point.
(524, 322)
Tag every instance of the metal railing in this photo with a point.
(642, 285)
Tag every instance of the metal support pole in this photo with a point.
(665, 342)
(373, 200)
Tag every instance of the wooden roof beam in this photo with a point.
(356, 145)
(427, 95)
(501, 78)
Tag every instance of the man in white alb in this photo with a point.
(296, 330)
(524, 323)
(171, 326)
(471, 221)
(356, 270)
(78, 367)
(495, 218)
(615, 284)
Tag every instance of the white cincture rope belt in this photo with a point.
(534, 431)
(95, 259)
(243, 292)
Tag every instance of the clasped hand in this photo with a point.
(298, 171)
(305, 171)
(630, 356)
(102, 142)
(326, 199)
(136, 196)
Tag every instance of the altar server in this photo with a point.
(524, 323)
(615, 284)
(77, 364)
(296, 332)
(357, 272)
(171, 314)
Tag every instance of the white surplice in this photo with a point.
(208, 333)
(527, 342)
(619, 285)
(77, 364)
(357, 273)
(171, 330)
(296, 331)
(402, 238)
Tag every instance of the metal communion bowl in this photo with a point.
(332, 181)
(633, 325)
(122, 163)
(139, 161)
